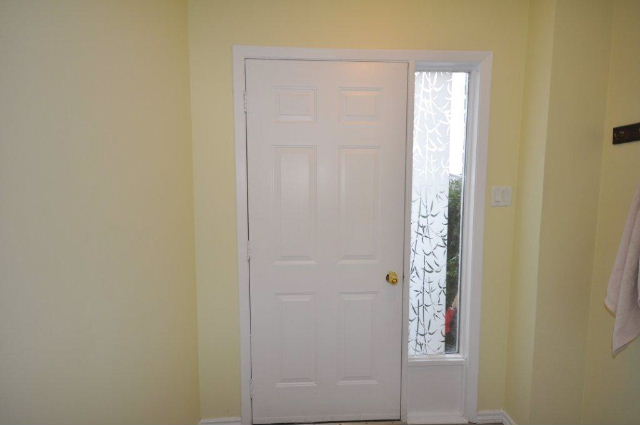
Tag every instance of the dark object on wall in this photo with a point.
(626, 133)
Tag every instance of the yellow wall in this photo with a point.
(98, 260)
(557, 214)
(522, 317)
(569, 212)
(97, 285)
(612, 384)
(215, 26)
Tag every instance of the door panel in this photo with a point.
(326, 162)
(295, 202)
(359, 203)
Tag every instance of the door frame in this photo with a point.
(479, 64)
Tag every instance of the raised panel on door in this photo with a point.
(359, 203)
(356, 355)
(325, 150)
(295, 202)
(296, 343)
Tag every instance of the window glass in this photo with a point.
(440, 121)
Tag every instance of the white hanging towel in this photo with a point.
(623, 293)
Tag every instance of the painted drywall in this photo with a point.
(570, 201)
(522, 317)
(612, 384)
(560, 171)
(215, 26)
(97, 282)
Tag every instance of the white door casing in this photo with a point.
(417, 405)
(326, 147)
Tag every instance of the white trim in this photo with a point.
(430, 418)
(489, 417)
(478, 63)
(408, 181)
(242, 214)
(441, 360)
(494, 416)
(442, 59)
(473, 218)
(221, 421)
(506, 419)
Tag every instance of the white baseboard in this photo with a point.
(484, 417)
(508, 420)
(494, 416)
(221, 421)
(430, 418)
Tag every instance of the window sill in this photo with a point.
(439, 360)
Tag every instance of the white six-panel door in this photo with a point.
(326, 164)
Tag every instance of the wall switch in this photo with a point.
(501, 196)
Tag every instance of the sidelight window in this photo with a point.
(439, 136)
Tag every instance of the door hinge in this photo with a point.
(251, 389)
(248, 250)
(244, 100)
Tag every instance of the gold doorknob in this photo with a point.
(392, 278)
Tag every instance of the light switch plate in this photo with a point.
(501, 196)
